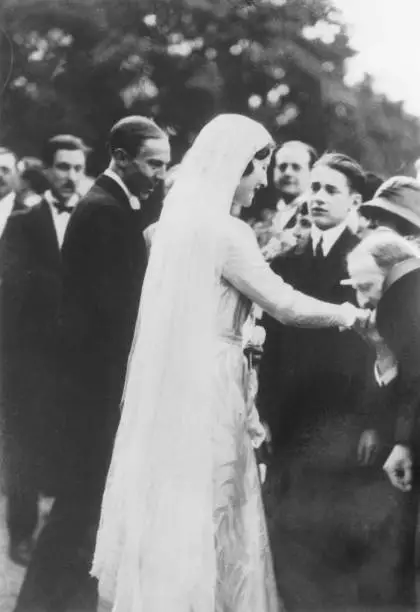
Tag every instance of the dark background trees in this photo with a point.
(79, 65)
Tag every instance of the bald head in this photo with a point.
(292, 164)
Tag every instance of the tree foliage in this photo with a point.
(79, 65)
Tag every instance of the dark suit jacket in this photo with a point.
(398, 321)
(44, 272)
(31, 298)
(104, 261)
(13, 259)
(326, 362)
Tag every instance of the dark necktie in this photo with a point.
(319, 253)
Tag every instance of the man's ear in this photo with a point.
(121, 158)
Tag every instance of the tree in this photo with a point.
(79, 66)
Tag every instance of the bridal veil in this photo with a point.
(155, 543)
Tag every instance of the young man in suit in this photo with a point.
(42, 228)
(103, 261)
(65, 159)
(310, 383)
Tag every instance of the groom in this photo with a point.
(104, 262)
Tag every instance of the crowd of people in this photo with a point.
(134, 394)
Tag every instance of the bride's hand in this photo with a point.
(365, 324)
(354, 318)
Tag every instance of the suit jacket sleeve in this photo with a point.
(409, 380)
(408, 393)
(400, 314)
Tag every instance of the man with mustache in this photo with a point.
(42, 227)
(65, 158)
(32, 242)
(104, 259)
(310, 384)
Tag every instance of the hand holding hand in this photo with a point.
(365, 322)
(355, 318)
(399, 467)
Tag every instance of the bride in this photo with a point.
(182, 526)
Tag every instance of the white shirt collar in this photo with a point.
(8, 200)
(329, 236)
(134, 202)
(60, 219)
(6, 207)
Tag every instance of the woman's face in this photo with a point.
(302, 230)
(248, 185)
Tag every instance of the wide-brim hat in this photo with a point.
(405, 205)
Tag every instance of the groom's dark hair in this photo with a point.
(132, 132)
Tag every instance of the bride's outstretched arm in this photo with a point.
(245, 268)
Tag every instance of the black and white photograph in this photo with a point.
(209, 306)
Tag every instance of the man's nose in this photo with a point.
(317, 201)
(160, 174)
(73, 175)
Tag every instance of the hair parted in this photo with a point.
(130, 133)
(347, 166)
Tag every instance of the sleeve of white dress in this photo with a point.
(245, 268)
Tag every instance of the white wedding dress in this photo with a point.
(182, 526)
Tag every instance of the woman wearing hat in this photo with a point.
(396, 205)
